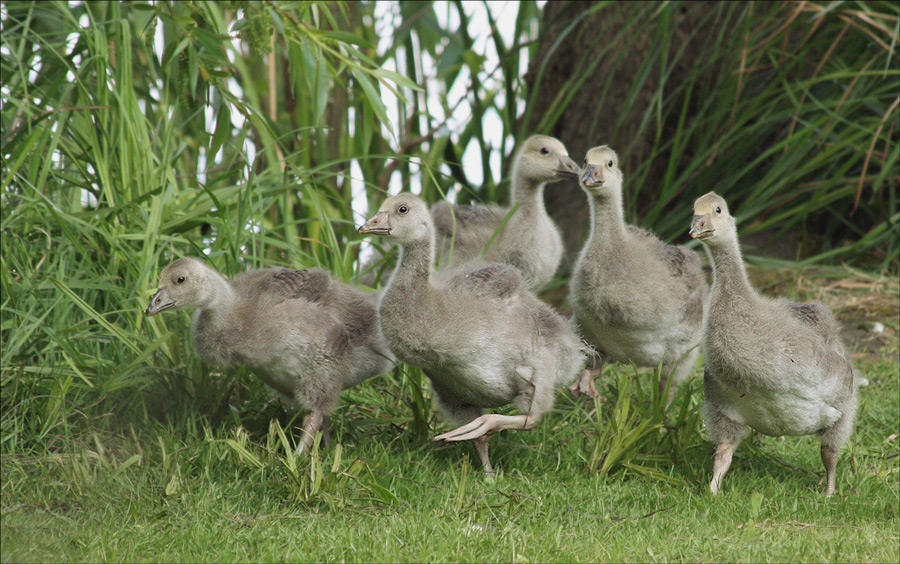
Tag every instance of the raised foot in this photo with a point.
(485, 426)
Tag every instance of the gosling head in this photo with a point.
(544, 159)
(712, 223)
(183, 284)
(601, 172)
(403, 218)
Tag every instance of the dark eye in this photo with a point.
(402, 210)
(609, 164)
(545, 151)
(180, 280)
(718, 209)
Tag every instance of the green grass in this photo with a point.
(178, 490)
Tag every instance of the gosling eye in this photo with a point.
(609, 164)
(718, 209)
(545, 151)
(180, 280)
(403, 210)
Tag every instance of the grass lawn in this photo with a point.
(198, 487)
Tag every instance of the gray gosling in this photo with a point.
(480, 335)
(303, 333)
(636, 298)
(772, 365)
(530, 240)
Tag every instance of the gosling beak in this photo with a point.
(700, 227)
(159, 302)
(378, 225)
(591, 176)
(567, 167)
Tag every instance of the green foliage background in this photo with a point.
(788, 109)
(238, 138)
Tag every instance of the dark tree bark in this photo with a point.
(585, 123)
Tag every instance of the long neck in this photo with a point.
(607, 220)
(221, 302)
(528, 193)
(729, 273)
(414, 267)
(218, 324)
(409, 299)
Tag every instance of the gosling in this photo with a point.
(480, 335)
(772, 365)
(303, 333)
(636, 298)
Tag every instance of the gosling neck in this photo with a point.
(414, 266)
(607, 219)
(220, 300)
(729, 272)
(528, 193)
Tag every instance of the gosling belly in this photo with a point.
(781, 413)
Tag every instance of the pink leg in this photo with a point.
(481, 447)
(678, 374)
(662, 389)
(585, 383)
(311, 425)
(829, 459)
(720, 465)
(487, 425)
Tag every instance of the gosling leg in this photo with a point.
(584, 384)
(678, 374)
(722, 461)
(829, 459)
(662, 389)
(487, 425)
(311, 425)
(481, 447)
